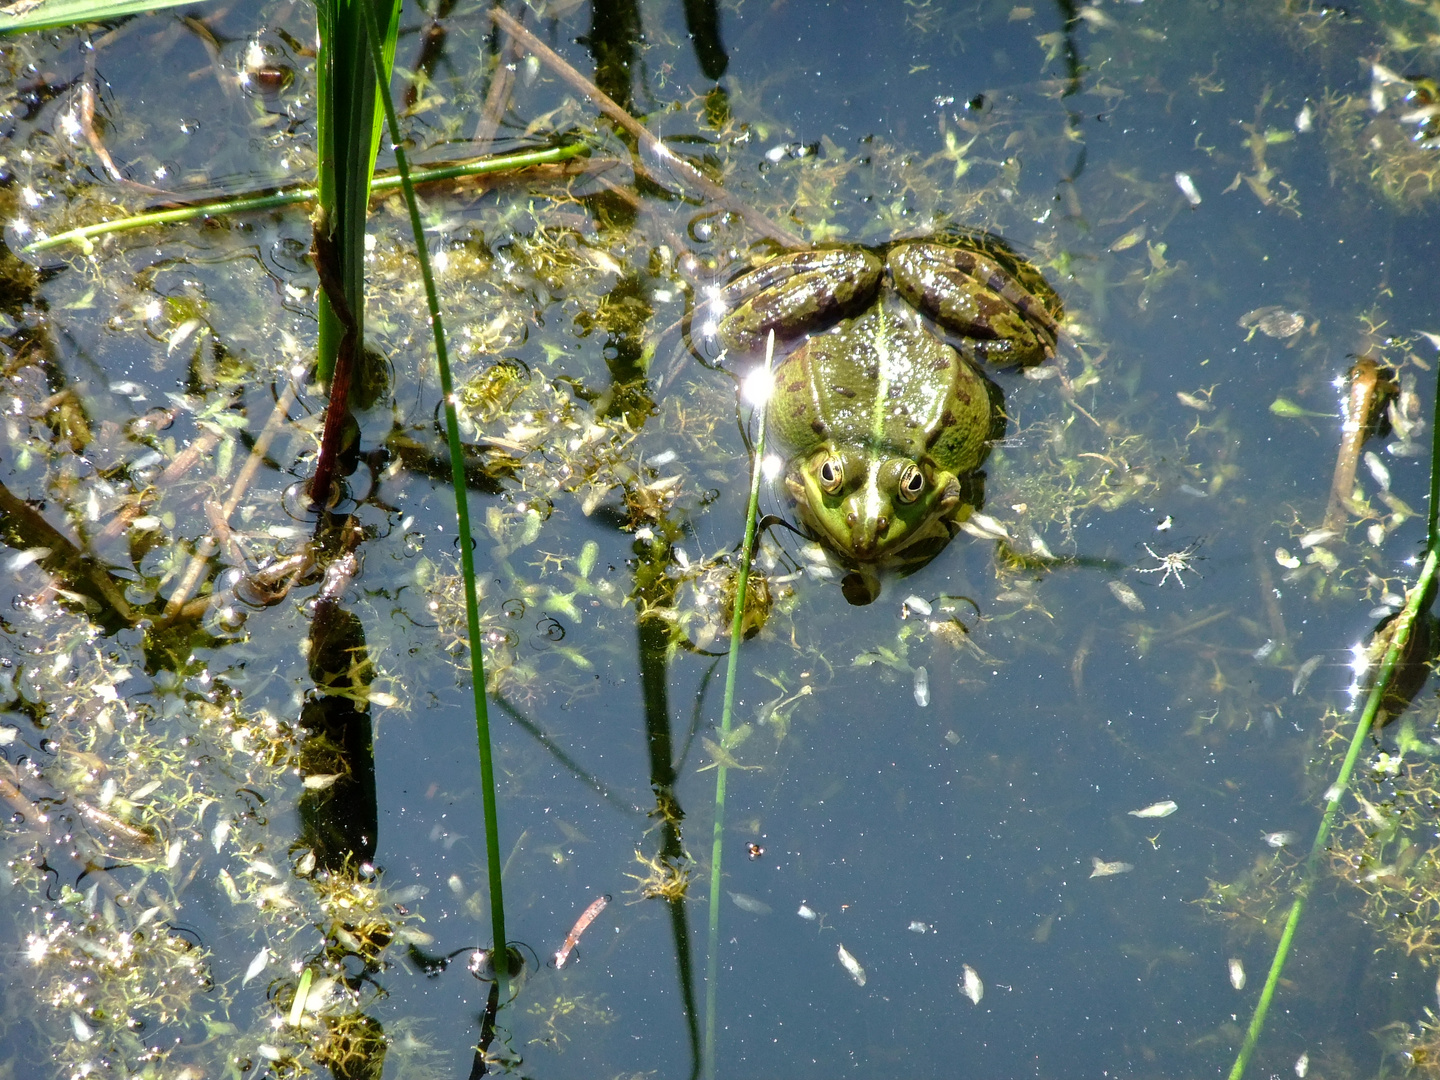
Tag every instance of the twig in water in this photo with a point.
(497, 101)
(207, 546)
(688, 172)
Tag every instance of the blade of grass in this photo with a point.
(737, 628)
(75, 12)
(500, 953)
(348, 137)
(347, 124)
(83, 237)
(1416, 604)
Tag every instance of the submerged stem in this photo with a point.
(737, 627)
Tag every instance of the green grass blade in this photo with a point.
(347, 123)
(737, 628)
(500, 953)
(84, 236)
(1416, 604)
(59, 13)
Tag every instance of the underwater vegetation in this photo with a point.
(241, 832)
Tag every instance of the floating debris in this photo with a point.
(750, 904)
(1103, 869)
(807, 912)
(922, 686)
(1107, 869)
(1130, 239)
(1378, 469)
(1273, 322)
(1126, 595)
(1280, 839)
(589, 915)
(1302, 676)
(1237, 973)
(918, 927)
(1187, 188)
(917, 604)
(1159, 809)
(257, 965)
(985, 527)
(971, 986)
(1302, 1065)
(850, 964)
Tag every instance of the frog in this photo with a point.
(879, 405)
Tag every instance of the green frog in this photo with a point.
(882, 420)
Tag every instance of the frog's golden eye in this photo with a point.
(832, 476)
(912, 483)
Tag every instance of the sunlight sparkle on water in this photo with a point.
(772, 466)
(758, 386)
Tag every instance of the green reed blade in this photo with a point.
(737, 627)
(83, 236)
(500, 953)
(56, 13)
(1416, 604)
(348, 133)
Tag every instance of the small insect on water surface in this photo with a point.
(1172, 563)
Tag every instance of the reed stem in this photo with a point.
(500, 954)
(737, 627)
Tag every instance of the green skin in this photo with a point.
(877, 416)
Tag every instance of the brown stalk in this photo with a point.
(327, 266)
(176, 605)
(25, 527)
(87, 126)
(497, 101)
(172, 474)
(1369, 390)
(682, 168)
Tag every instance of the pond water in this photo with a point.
(239, 762)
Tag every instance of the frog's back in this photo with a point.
(881, 383)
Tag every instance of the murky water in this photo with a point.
(1233, 201)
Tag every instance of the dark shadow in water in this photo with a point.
(339, 822)
(1074, 73)
(656, 590)
(615, 31)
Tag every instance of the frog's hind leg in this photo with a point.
(967, 292)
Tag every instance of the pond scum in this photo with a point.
(123, 804)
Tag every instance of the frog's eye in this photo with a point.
(832, 476)
(912, 483)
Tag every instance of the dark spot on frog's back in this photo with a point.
(819, 426)
(940, 363)
(948, 420)
(843, 391)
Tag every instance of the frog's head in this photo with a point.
(870, 507)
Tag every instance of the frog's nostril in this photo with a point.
(851, 518)
(881, 525)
